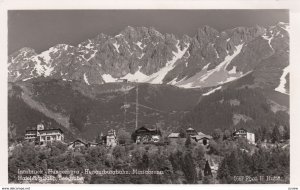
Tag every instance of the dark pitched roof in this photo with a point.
(236, 130)
(142, 128)
(146, 129)
(34, 130)
(247, 130)
(77, 140)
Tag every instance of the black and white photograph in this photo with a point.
(148, 96)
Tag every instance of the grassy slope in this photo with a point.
(100, 107)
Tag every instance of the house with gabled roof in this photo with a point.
(202, 138)
(80, 143)
(196, 136)
(144, 134)
(42, 136)
(244, 133)
(77, 143)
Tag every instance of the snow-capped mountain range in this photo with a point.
(140, 54)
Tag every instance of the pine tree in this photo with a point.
(217, 134)
(229, 168)
(233, 164)
(188, 141)
(207, 169)
(182, 133)
(275, 135)
(145, 161)
(260, 162)
(189, 168)
(227, 134)
(223, 173)
(98, 138)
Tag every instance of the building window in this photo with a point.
(48, 138)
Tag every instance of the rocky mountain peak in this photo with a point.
(283, 24)
(206, 34)
(170, 38)
(130, 33)
(154, 33)
(101, 37)
(26, 50)
(21, 55)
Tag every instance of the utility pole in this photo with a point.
(125, 109)
(137, 107)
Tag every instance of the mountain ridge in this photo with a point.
(141, 54)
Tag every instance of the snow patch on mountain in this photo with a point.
(89, 45)
(232, 78)
(18, 74)
(118, 35)
(27, 78)
(66, 47)
(233, 70)
(206, 66)
(92, 55)
(42, 69)
(281, 87)
(268, 39)
(108, 78)
(140, 45)
(46, 55)
(116, 45)
(138, 76)
(141, 56)
(217, 54)
(174, 81)
(187, 85)
(48, 71)
(157, 78)
(213, 77)
(85, 79)
(227, 60)
(43, 60)
(212, 91)
(285, 26)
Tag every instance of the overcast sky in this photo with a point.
(41, 29)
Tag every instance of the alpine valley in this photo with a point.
(237, 77)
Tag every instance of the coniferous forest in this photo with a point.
(224, 161)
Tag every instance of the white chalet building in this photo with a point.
(41, 136)
(243, 133)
